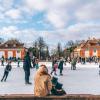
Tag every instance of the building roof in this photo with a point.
(12, 44)
(89, 44)
(92, 43)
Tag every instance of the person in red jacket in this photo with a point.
(55, 66)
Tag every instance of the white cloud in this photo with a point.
(54, 13)
(13, 14)
(9, 11)
(83, 31)
(7, 32)
(74, 32)
(1, 16)
(1, 8)
(69, 19)
(6, 4)
(58, 13)
(89, 11)
(9, 29)
(39, 5)
(55, 19)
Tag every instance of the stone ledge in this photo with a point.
(66, 97)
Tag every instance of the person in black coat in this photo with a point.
(2, 61)
(26, 67)
(99, 67)
(60, 67)
(18, 62)
(6, 71)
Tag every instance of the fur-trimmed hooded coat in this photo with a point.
(42, 83)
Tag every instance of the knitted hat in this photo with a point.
(54, 80)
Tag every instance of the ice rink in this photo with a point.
(84, 80)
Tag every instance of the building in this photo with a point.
(88, 48)
(12, 48)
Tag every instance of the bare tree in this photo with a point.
(70, 43)
(1, 40)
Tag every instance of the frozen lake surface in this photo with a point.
(84, 80)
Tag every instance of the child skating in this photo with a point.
(6, 71)
(37, 64)
(55, 66)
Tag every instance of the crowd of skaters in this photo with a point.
(44, 83)
(42, 74)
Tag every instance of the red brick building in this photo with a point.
(12, 48)
(88, 48)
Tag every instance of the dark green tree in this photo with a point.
(59, 50)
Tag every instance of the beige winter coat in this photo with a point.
(42, 83)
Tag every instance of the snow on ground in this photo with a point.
(84, 80)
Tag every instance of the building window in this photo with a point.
(18, 51)
(14, 45)
(87, 49)
(6, 45)
(94, 50)
(98, 43)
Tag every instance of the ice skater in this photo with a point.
(2, 61)
(99, 67)
(18, 62)
(6, 71)
(73, 64)
(61, 64)
(54, 69)
(27, 66)
(33, 61)
(37, 64)
(54, 60)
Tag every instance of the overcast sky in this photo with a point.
(55, 20)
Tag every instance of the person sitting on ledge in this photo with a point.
(42, 82)
(57, 87)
